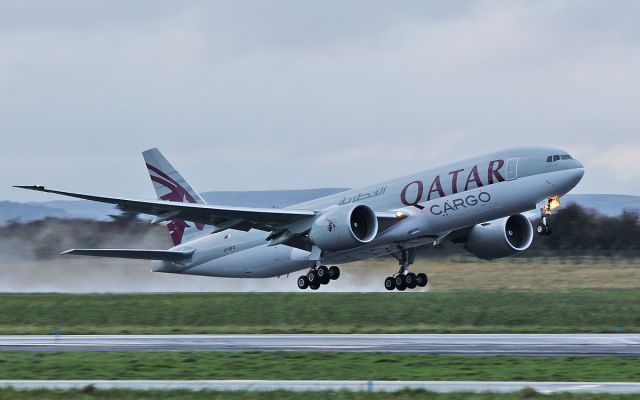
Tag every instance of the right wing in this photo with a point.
(242, 218)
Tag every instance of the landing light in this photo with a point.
(554, 202)
(400, 215)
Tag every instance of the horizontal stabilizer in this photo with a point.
(165, 255)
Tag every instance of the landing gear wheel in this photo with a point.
(315, 286)
(323, 274)
(334, 272)
(389, 283)
(303, 282)
(312, 278)
(410, 280)
(541, 229)
(422, 279)
(548, 232)
(400, 283)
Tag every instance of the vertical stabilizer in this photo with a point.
(171, 186)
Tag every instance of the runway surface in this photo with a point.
(371, 386)
(464, 344)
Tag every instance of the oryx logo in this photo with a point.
(330, 225)
(178, 194)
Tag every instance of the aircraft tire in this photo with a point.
(315, 286)
(389, 283)
(422, 279)
(541, 229)
(334, 272)
(323, 275)
(548, 231)
(410, 280)
(400, 282)
(303, 282)
(312, 278)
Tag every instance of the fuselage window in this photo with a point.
(556, 157)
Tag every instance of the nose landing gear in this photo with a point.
(404, 279)
(543, 228)
(318, 276)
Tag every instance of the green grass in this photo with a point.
(454, 311)
(312, 366)
(91, 394)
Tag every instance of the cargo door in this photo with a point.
(512, 169)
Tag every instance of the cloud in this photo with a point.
(258, 95)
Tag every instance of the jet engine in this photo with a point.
(500, 238)
(344, 227)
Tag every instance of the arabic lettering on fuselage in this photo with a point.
(363, 196)
(415, 196)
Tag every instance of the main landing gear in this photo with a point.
(404, 279)
(318, 276)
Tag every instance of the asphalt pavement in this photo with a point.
(371, 386)
(463, 344)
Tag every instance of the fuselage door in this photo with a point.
(512, 169)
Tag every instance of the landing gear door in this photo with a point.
(512, 169)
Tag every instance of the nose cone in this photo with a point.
(570, 177)
(578, 173)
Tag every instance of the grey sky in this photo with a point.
(298, 94)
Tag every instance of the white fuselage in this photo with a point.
(437, 201)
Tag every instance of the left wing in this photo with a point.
(242, 218)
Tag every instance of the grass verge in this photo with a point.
(311, 366)
(443, 312)
(92, 394)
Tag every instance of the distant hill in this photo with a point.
(607, 204)
(10, 210)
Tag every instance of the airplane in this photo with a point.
(486, 202)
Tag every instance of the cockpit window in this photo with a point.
(558, 157)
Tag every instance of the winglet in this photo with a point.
(39, 188)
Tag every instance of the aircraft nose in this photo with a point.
(575, 175)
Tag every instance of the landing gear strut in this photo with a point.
(543, 228)
(404, 279)
(318, 276)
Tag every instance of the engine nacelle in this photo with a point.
(344, 227)
(501, 237)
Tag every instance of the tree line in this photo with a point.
(576, 232)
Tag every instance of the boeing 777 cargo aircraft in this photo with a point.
(478, 201)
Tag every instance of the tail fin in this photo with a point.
(170, 185)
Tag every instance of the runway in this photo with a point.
(462, 344)
(369, 386)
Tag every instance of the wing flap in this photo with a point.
(137, 254)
